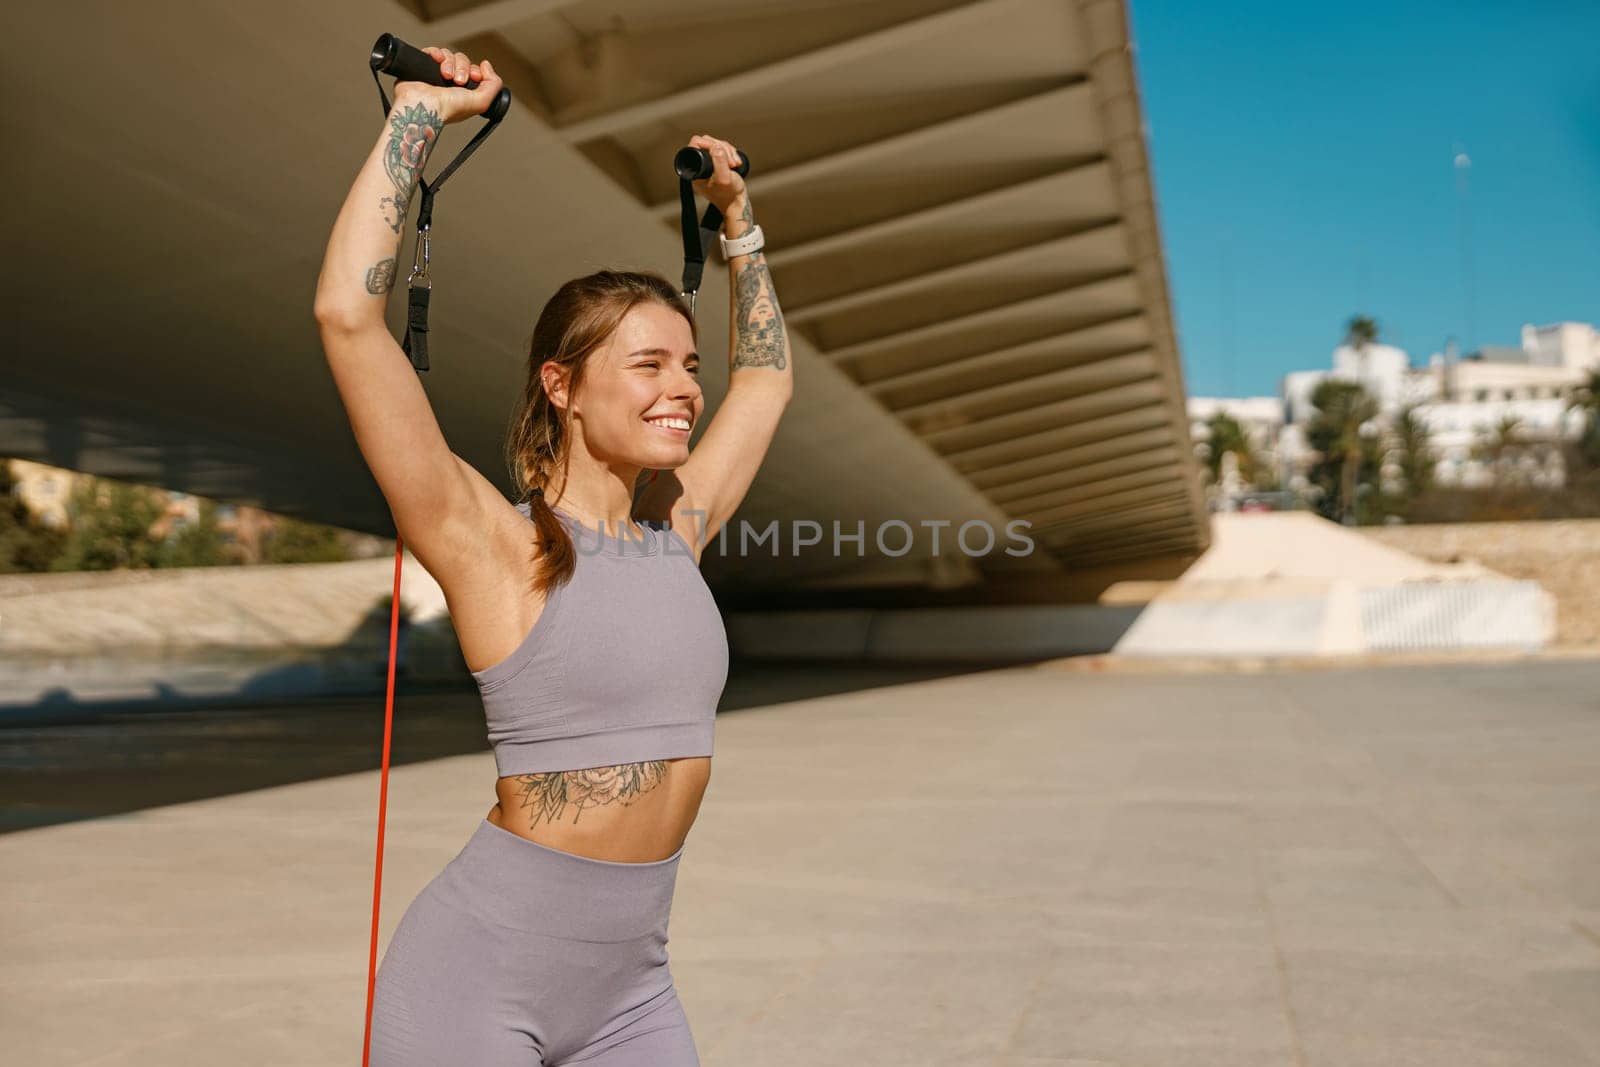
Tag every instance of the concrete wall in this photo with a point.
(974, 634)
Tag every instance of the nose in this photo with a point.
(684, 384)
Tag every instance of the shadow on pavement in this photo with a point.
(62, 761)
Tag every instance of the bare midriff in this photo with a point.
(627, 813)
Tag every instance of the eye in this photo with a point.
(694, 368)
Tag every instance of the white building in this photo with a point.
(1465, 402)
(1458, 432)
(1261, 417)
(1574, 345)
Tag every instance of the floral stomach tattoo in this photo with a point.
(547, 796)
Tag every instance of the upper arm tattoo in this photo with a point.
(414, 132)
(380, 277)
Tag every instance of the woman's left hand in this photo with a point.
(725, 186)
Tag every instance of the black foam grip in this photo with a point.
(391, 55)
(693, 164)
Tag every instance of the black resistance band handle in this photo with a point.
(693, 164)
(391, 55)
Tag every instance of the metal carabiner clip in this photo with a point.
(419, 261)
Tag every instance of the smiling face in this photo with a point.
(640, 397)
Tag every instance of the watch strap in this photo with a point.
(744, 245)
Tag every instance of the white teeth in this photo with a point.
(675, 423)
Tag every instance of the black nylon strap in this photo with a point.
(696, 238)
(416, 340)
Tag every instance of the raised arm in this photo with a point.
(703, 494)
(433, 495)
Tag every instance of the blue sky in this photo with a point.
(1303, 158)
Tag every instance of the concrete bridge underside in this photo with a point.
(959, 219)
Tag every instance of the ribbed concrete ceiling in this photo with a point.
(955, 194)
(954, 220)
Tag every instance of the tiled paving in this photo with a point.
(1011, 868)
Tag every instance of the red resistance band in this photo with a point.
(393, 56)
(383, 794)
(383, 799)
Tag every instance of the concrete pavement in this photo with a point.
(1014, 868)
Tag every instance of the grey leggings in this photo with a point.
(520, 954)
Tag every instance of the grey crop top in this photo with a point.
(625, 664)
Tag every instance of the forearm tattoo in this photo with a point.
(548, 795)
(759, 340)
(380, 277)
(413, 134)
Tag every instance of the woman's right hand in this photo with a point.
(453, 104)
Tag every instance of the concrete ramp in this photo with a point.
(269, 632)
(1295, 584)
(292, 604)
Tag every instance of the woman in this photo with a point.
(581, 613)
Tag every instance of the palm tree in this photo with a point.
(1225, 434)
(1507, 434)
(1359, 332)
(1343, 409)
(1497, 446)
(1586, 398)
(1414, 440)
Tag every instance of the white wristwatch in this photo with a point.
(753, 241)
